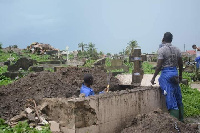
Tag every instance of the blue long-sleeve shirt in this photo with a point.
(88, 91)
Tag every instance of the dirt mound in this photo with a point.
(65, 83)
(157, 122)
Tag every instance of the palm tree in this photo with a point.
(131, 46)
(92, 51)
(101, 54)
(91, 46)
(82, 46)
(108, 54)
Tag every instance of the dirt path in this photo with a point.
(196, 85)
(126, 79)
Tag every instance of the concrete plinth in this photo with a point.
(104, 113)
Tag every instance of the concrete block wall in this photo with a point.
(111, 112)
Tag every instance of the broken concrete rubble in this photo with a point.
(54, 126)
(28, 110)
(19, 117)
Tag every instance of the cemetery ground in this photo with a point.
(22, 98)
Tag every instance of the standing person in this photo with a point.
(86, 86)
(197, 59)
(169, 58)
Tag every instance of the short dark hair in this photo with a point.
(194, 46)
(168, 37)
(88, 79)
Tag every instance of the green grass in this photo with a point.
(4, 56)
(4, 80)
(191, 100)
(39, 58)
(89, 63)
(21, 127)
(147, 68)
(190, 96)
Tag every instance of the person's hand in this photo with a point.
(106, 90)
(165, 93)
(152, 81)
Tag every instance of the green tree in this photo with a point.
(131, 46)
(101, 54)
(91, 46)
(92, 51)
(1, 45)
(108, 54)
(82, 46)
(15, 46)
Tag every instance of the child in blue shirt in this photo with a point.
(85, 88)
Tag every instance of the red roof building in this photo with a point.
(191, 52)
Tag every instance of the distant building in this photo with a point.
(190, 54)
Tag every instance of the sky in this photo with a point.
(109, 24)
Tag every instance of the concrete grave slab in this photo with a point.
(109, 112)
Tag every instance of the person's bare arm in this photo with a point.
(180, 65)
(158, 69)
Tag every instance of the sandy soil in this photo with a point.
(126, 79)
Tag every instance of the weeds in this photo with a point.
(21, 127)
(191, 100)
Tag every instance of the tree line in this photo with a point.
(90, 51)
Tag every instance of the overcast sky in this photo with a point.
(109, 24)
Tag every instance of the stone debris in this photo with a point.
(31, 116)
(19, 117)
(38, 127)
(44, 122)
(28, 110)
(54, 126)
(82, 95)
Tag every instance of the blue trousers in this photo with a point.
(197, 59)
(173, 97)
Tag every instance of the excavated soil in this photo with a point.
(157, 122)
(65, 83)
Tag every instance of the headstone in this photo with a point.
(144, 57)
(137, 73)
(116, 62)
(101, 61)
(23, 63)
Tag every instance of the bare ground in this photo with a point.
(65, 83)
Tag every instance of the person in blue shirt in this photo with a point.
(85, 88)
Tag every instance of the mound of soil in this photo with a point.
(157, 122)
(65, 83)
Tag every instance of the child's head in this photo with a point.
(88, 79)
